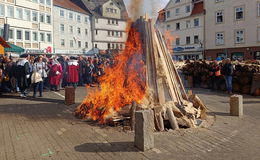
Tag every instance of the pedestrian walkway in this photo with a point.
(44, 128)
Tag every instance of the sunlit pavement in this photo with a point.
(44, 128)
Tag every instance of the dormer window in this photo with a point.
(111, 4)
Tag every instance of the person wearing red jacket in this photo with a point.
(73, 72)
(55, 74)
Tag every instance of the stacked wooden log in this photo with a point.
(165, 94)
(242, 79)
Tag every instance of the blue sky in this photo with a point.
(151, 6)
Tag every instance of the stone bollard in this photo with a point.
(144, 130)
(236, 105)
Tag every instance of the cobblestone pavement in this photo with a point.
(44, 128)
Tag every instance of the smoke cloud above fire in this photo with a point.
(137, 8)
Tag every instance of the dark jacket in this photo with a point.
(228, 70)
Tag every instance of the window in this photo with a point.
(11, 34)
(71, 29)
(196, 22)
(168, 27)
(177, 41)
(86, 32)
(10, 11)
(79, 30)
(35, 16)
(196, 39)
(27, 35)
(187, 40)
(96, 32)
(239, 36)
(239, 13)
(62, 28)
(108, 33)
(42, 38)
(177, 11)
(258, 10)
(188, 24)
(42, 2)
(62, 42)
(177, 1)
(48, 37)
(121, 34)
(219, 1)
(27, 15)
(48, 2)
(168, 14)
(79, 18)
(219, 38)
(178, 26)
(48, 19)
(2, 10)
(108, 45)
(35, 36)
(219, 17)
(86, 44)
(71, 43)
(258, 32)
(62, 13)
(19, 35)
(42, 18)
(19, 13)
(96, 46)
(86, 20)
(79, 44)
(188, 9)
(71, 16)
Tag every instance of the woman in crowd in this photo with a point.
(73, 72)
(55, 74)
(39, 67)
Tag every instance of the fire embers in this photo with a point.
(121, 85)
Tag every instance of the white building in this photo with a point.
(30, 24)
(109, 23)
(184, 22)
(72, 28)
(232, 29)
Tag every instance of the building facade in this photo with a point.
(72, 28)
(109, 22)
(184, 24)
(232, 29)
(31, 24)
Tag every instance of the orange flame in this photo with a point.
(121, 85)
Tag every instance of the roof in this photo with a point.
(74, 5)
(14, 48)
(198, 8)
(4, 43)
(95, 7)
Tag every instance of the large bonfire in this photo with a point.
(121, 85)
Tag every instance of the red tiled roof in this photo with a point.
(73, 5)
(4, 43)
(198, 8)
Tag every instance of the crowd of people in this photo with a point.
(39, 73)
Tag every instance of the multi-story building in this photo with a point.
(232, 29)
(184, 22)
(109, 23)
(72, 28)
(30, 24)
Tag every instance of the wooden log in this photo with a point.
(132, 120)
(172, 119)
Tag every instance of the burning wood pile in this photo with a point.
(198, 73)
(143, 77)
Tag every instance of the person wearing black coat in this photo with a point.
(22, 74)
(228, 70)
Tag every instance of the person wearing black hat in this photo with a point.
(73, 72)
(22, 73)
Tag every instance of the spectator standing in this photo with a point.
(22, 73)
(228, 73)
(82, 64)
(39, 67)
(73, 72)
(215, 74)
(55, 74)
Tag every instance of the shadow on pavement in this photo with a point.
(107, 147)
(220, 114)
(38, 99)
(39, 111)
